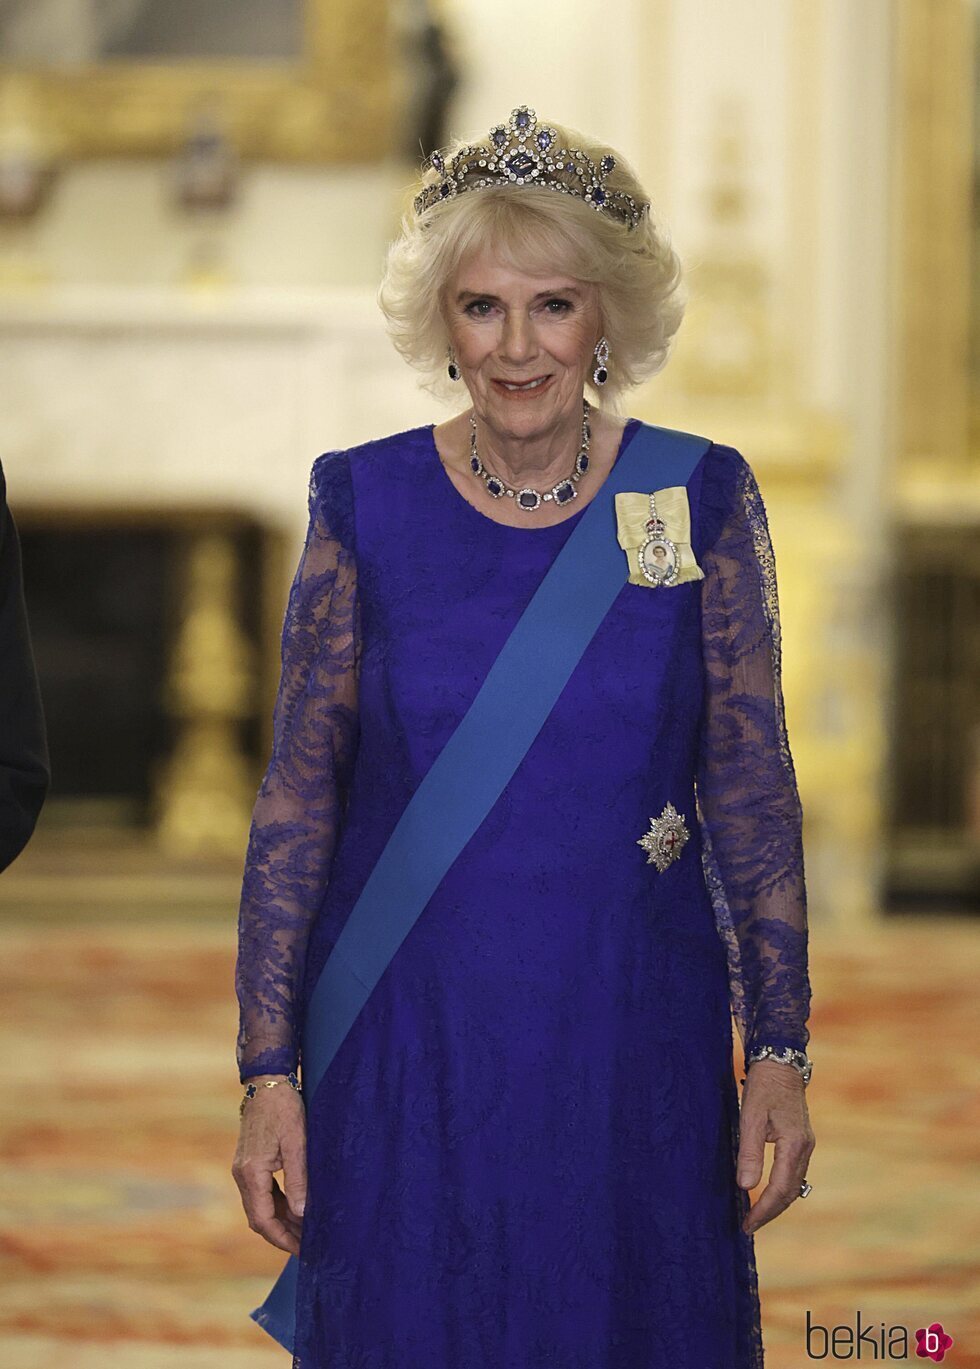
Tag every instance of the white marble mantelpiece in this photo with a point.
(118, 395)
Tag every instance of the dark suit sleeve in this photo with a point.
(24, 764)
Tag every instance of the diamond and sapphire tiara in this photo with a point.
(521, 153)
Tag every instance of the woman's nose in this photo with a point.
(517, 342)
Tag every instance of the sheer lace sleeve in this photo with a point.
(748, 803)
(301, 798)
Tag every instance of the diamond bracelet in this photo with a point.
(252, 1089)
(787, 1056)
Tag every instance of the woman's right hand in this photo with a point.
(273, 1137)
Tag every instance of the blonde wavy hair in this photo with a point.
(538, 230)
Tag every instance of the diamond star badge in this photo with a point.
(665, 839)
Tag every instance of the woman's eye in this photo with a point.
(478, 304)
(563, 305)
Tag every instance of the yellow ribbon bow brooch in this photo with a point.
(654, 530)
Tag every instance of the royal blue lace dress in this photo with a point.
(523, 1154)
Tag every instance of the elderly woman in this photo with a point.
(530, 831)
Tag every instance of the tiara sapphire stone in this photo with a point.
(521, 163)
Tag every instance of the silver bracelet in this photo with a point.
(800, 1061)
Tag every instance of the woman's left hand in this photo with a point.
(773, 1109)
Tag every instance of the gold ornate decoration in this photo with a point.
(334, 105)
(658, 522)
(666, 838)
(936, 225)
(204, 790)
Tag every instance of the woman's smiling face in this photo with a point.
(508, 328)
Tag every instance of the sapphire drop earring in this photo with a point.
(601, 373)
(454, 371)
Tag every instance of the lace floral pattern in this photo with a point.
(749, 805)
(300, 800)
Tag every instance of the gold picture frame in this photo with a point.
(333, 105)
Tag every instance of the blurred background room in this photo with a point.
(195, 199)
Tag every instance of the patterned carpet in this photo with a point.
(123, 1242)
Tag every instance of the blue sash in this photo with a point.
(474, 767)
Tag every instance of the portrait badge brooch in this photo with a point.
(666, 838)
(655, 532)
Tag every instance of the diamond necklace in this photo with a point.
(528, 498)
